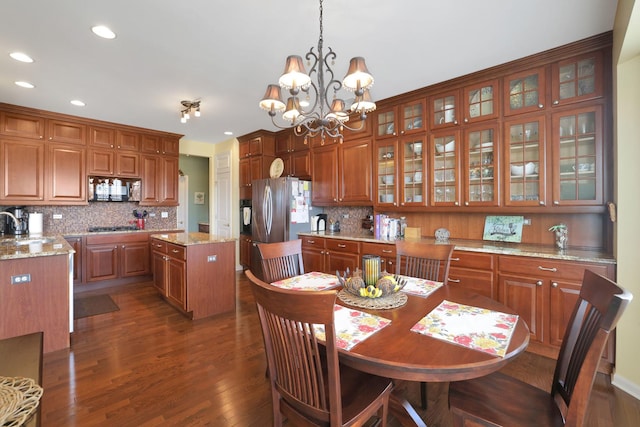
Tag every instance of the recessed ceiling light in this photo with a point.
(104, 32)
(22, 57)
(228, 133)
(78, 103)
(25, 84)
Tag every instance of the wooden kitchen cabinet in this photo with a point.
(113, 153)
(403, 119)
(21, 171)
(481, 151)
(475, 272)
(525, 91)
(341, 173)
(245, 243)
(329, 255)
(294, 153)
(543, 293)
(159, 181)
(576, 79)
(116, 256)
(445, 109)
(67, 172)
(22, 125)
(66, 132)
(444, 162)
(252, 168)
(481, 101)
(197, 279)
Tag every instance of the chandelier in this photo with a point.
(323, 117)
(187, 108)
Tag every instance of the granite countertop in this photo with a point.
(517, 249)
(98, 233)
(187, 239)
(33, 246)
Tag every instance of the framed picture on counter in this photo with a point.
(503, 228)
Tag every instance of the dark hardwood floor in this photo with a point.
(147, 365)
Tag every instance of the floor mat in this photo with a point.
(90, 306)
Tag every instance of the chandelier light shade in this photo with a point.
(187, 108)
(320, 113)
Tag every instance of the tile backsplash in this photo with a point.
(350, 217)
(80, 218)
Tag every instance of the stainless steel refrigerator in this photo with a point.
(281, 208)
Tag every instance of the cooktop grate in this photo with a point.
(113, 228)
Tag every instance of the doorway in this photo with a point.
(194, 198)
(222, 195)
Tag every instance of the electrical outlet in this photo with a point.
(152, 214)
(164, 214)
(20, 278)
(212, 258)
(527, 221)
(57, 216)
(345, 216)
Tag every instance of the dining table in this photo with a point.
(423, 339)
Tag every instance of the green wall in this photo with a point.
(197, 169)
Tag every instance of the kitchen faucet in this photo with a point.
(15, 220)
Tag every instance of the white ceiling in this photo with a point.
(226, 52)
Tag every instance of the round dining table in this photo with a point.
(397, 352)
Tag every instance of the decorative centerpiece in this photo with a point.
(379, 294)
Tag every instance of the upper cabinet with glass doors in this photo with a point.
(577, 155)
(412, 171)
(444, 109)
(481, 157)
(524, 91)
(386, 171)
(481, 101)
(577, 79)
(406, 118)
(445, 167)
(524, 162)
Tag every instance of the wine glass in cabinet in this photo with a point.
(481, 157)
(444, 161)
(577, 157)
(524, 162)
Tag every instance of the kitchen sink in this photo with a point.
(28, 241)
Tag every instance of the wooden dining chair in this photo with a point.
(281, 260)
(501, 400)
(426, 261)
(308, 384)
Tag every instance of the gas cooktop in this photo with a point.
(113, 228)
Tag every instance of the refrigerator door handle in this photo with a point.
(267, 207)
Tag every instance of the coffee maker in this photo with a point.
(23, 223)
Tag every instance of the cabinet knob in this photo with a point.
(555, 202)
(540, 105)
(554, 284)
(50, 138)
(539, 283)
(556, 102)
(456, 203)
(466, 120)
(455, 122)
(541, 202)
(466, 203)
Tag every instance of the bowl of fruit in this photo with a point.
(386, 285)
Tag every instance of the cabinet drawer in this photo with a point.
(541, 267)
(176, 251)
(477, 281)
(159, 246)
(342, 245)
(312, 242)
(117, 238)
(472, 260)
(380, 249)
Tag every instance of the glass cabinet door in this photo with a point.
(577, 79)
(480, 165)
(385, 125)
(481, 102)
(413, 116)
(412, 174)
(577, 157)
(444, 110)
(524, 92)
(524, 173)
(386, 171)
(445, 147)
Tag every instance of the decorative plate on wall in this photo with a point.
(276, 168)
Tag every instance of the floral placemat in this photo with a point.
(473, 327)
(420, 287)
(352, 326)
(314, 281)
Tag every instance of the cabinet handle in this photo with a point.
(455, 259)
(552, 269)
(453, 280)
(539, 283)
(554, 284)
(387, 251)
(175, 251)
(390, 262)
(340, 245)
(312, 242)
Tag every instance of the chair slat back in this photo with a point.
(306, 376)
(423, 260)
(596, 313)
(281, 260)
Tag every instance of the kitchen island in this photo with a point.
(195, 272)
(36, 289)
